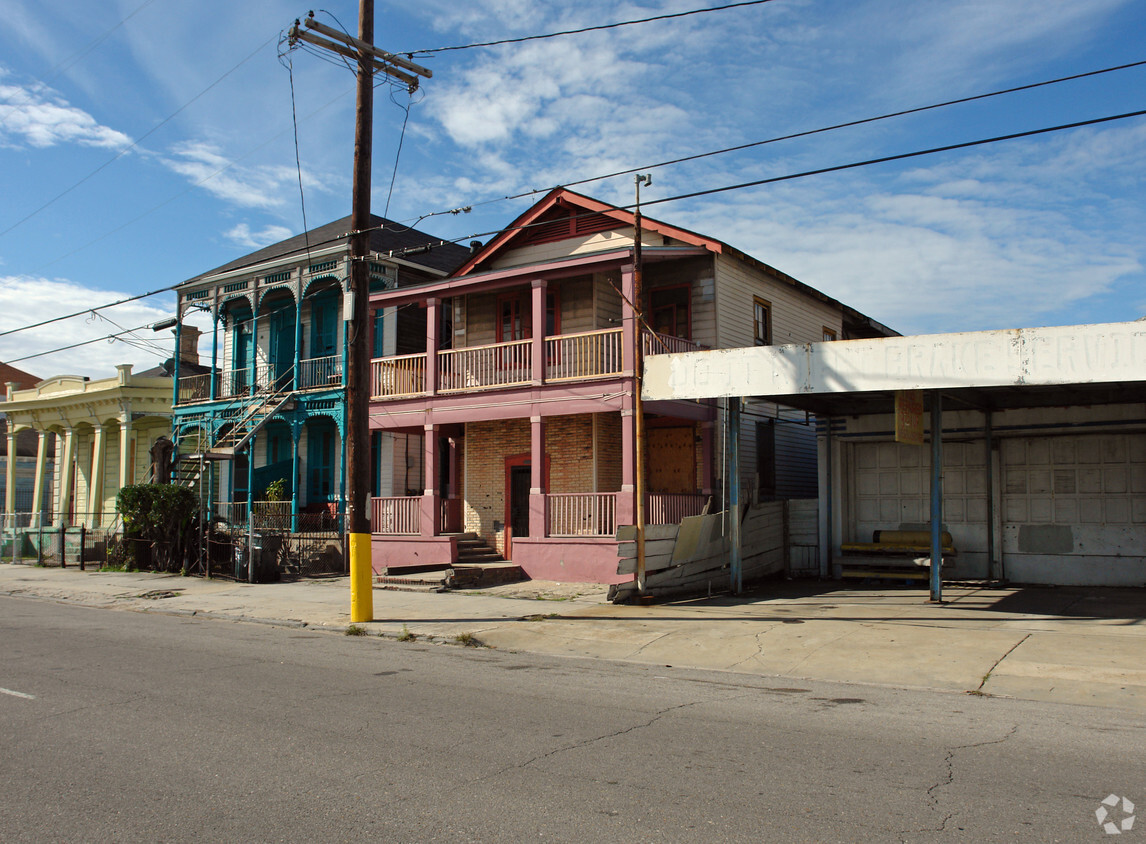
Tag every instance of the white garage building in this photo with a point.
(1043, 451)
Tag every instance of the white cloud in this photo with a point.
(243, 236)
(40, 118)
(25, 301)
(260, 186)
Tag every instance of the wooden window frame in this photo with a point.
(757, 304)
(830, 334)
(651, 309)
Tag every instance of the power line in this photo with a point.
(802, 134)
(64, 64)
(591, 28)
(137, 141)
(902, 156)
(108, 337)
(771, 180)
(89, 310)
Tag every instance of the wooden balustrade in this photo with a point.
(396, 515)
(585, 355)
(493, 365)
(404, 375)
(582, 514)
(662, 508)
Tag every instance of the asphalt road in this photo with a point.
(120, 726)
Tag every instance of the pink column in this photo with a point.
(431, 497)
(708, 478)
(627, 499)
(433, 328)
(538, 524)
(628, 323)
(539, 326)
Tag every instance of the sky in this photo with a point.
(143, 142)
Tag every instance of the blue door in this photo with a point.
(324, 324)
(282, 345)
(322, 438)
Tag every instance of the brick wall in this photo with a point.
(568, 445)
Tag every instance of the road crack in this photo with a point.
(949, 775)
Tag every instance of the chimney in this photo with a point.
(189, 344)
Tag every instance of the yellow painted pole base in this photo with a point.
(361, 578)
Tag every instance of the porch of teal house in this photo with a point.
(272, 408)
(529, 442)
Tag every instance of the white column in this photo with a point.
(41, 470)
(10, 475)
(125, 452)
(95, 489)
(67, 473)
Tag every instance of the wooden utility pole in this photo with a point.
(638, 379)
(370, 59)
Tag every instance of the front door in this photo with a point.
(518, 495)
(282, 346)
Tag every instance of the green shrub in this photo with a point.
(162, 518)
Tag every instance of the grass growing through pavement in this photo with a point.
(406, 635)
(469, 640)
(356, 630)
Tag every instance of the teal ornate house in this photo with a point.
(270, 407)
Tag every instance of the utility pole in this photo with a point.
(638, 380)
(370, 59)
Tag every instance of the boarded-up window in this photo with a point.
(671, 464)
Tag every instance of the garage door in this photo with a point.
(1074, 509)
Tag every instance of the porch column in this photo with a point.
(295, 437)
(41, 471)
(213, 386)
(538, 524)
(708, 477)
(626, 501)
(95, 490)
(297, 380)
(10, 475)
(125, 455)
(538, 345)
(431, 497)
(254, 363)
(433, 328)
(629, 328)
(67, 475)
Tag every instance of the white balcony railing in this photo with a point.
(396, 515)
(582, 514)
(477, 367)
(663, 344)
(586, 355)
(663, 508)
(392, 377)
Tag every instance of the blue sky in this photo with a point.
(1039, 231)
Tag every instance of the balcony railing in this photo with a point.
(404, 375)
(663, 508)
(585, 355)
(582, 514)
(320, 372)
(193, 388)
(495, 365)
(568, 357)
(396, 515)
(234, 382)
(664, 344)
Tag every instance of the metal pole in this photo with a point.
(988, 437)
(357, 469)
(936, 497)
(735, 567)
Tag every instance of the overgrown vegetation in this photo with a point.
(356, 630)
(469, 640)
(159, 526)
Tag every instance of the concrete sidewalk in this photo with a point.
(1068, 645)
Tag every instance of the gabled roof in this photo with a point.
(23, 379)
(386, 236)
(587, 215)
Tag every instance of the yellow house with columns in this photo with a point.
(104, 430)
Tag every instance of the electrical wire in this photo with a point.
(591, 28)
(111, 338)
(836, 168)
(792, 136)
(137, 141)
(62, 65)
